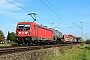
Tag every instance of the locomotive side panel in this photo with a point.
(44, 33)
(39, 32)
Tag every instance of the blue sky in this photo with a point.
(69, 11)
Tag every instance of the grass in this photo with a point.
(12, 43)
(74, 53)
(5, 44)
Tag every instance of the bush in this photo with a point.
(87, 41)
(88, 47)
(12, 43)
(82, 44)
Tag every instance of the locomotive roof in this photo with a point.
(34, 23)
(25, 22)
(43, 26)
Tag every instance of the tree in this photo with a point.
(11, 36)
(8, 36)
(2, 37)
(87, 41)
(78, 38)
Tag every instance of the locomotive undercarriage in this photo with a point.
(24, 40)
(35, 41)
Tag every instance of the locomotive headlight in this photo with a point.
(27, 33)
(18, 33)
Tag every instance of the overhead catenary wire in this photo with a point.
(58, 11)
(43, 19)
(24, 5)
(54, 12)
(30, 8)
(53, 7)
(33, 10)
(24, 8)
(28, 11)
(76, 25)
(17, 6)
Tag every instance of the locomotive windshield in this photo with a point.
(23, 27)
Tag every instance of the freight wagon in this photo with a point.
(69, 39)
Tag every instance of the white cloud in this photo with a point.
(11, 10)
(5, 5)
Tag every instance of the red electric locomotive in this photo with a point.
(30, 32)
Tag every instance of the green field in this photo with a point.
(5, 45)
(9, 44)
(75, 53)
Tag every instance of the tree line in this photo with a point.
(10, 36)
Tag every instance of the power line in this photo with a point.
(80, 28)
(43, 19)
(50, 9)
(31, 9)
(56, 10)
(53, 11)
(76, 25)
(17, 6)
(22, 8)
(54, 7)
(24, 4)
(57, 25)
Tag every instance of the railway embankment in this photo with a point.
(41, 54)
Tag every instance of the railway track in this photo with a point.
(11, 49)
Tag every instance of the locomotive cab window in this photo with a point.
(34, 27)
(23, 27)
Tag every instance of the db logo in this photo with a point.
(22, 32)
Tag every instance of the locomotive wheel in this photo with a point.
(30, 43)
(19, 44)
(23, 44)
(58, 42)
